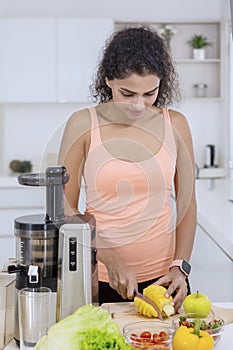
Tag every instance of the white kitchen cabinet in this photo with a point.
(212, 269)
(79, 42)
(27, 60)
(49, 59)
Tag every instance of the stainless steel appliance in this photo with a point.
(77, 272)
(55, 251)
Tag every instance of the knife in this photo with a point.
(149, 301)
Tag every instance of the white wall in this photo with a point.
(27, 128)
(231, 111)
(33, 129)
(206, 124)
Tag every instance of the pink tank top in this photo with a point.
(132, 204)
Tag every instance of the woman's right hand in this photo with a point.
(121, 278)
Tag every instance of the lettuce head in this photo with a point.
(88, 328)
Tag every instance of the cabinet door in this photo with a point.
(79, 43)
(27, 60)
(212, 270)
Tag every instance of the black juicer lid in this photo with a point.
(35, 222)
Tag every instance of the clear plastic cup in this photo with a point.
(34, 306)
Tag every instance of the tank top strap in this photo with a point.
(166, 115)
(95, 131)
(169, 139)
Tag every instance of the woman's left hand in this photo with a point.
(175, 281)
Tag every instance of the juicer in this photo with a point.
(55, 251)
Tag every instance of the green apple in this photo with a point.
(198, 304)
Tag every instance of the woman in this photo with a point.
(130, 150)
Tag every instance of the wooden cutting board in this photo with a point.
(123, 313)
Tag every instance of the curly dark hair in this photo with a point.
(137, 50)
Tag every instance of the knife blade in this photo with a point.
(149, 301)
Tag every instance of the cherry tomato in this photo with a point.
(162, 334)
(147, 340)
(145, 335)
(156, 338)
(134, 336)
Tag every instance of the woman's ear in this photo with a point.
(107, 81)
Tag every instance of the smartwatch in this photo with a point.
(184, 266)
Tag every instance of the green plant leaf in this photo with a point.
(199, 41)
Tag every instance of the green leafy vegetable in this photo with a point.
(88, 328)
(94, 339)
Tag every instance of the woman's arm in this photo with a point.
(185, 190)
(185, 207)
(121, 277)
(73, 149)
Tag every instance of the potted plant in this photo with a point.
(198, 44)
(18, 166)
(166, 32)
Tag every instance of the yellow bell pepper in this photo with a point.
(156, 294)
(192, 338)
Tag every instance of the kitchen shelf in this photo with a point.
(191, 71)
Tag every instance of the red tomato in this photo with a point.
(134, 336)
(145, 335)
(156, 338)
(162, 334)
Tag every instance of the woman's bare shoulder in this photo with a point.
(176, 116)
(178, 120)
(79, 120)
(181, 128)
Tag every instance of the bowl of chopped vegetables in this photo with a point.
(149, 335)
(212, 324)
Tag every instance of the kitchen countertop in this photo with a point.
(225, 342)
(215, 211)
(9, 182)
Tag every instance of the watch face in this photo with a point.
(186, 267)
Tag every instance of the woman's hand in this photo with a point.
(121, 278)
(175, 281)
